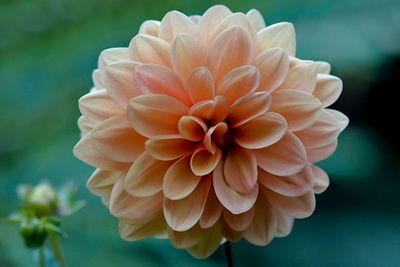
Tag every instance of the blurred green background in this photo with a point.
(48, 49)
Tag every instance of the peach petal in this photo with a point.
(150, 50)
(320, 153)
(248, 107)
(133, 232)
(292, 186)
(101, 182)
(239, 82)
(323, 67)
(184, 213)
(179, 180)
(187, 53)
(214, 111)
(237, 20)
(169, 147)
(85, 125)
(153, 115)
(119, 80)
(341, 119)
(98, 80)
(273, 65)
(201, 85)
(214, 132)
(209, 242)
(156, 79)
(300, 109)
(145, 177)
(174, 23)
(278, 35)
(185, 239)
(233, 201)
(192, 128)
(261, 131)
(328, 89)
(239, 222)
(195, 18)
(116, 139)
(212, 210)
(321, 180)
(231, 49)
(209, 21)
(98, 106)
(324, 131)
(112, 55)
(240, 170)
(302, 75)
(150, 27)
(256, 19)
(285, 157)
(203, 161)
(284, 224)
(298, 207)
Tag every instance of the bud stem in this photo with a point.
(42, 257)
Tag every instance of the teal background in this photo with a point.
(48, 49)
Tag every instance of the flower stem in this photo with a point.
(42, 257)
(228, 252)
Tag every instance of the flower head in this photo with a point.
(206, 128)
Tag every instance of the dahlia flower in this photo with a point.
(206, 129)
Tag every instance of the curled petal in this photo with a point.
(192, 128)
(169, 147)
(112, 55)
(150, 27)
(323, 67)
(174, 23)
(340, 118)
(101, 182)
(150, 50)
(278, 35)
(299, 108)
(320, 153)
(133, 232)
(212, 210)
(203, 161)
(256, 19)
(284, 224)
(213, 111)
(239, 222)
(153, 115)
(201, 85)
(285, 157)
(261, 131)
(328, 89)
(179, 180)
(217, 132)
(302, 75)
(185, 239)
(209, 242)
(209, 21)
(321, 180)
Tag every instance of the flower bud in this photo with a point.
(33, 233)
(43, 199)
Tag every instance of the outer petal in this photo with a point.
(184, 213)
(133, 232)
(187, 238)
(285, 157)
(209, 21)
(201, 85)
(241, 221)
(153, 115)
(212, 210)
(150, 27)
(112, 55)
(278, 35)
(340, 118)
(321, 180)
(174, 23)
(320, 153)
(256, 19)
(328, 89)
(210, 241)
(149, 49)
(98, 80)
(323, 67)
(169, 147)
(85, 125)
(238, 20)
(233, 201)
(261, 131)
(231, 49)
(187, 53)
(179, 180)
(203, 161)
(284, 224)
(300, 109)
(101, 182)
(156, 79)
(302, 75)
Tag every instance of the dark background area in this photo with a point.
(48, 49)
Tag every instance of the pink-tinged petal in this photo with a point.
(210, 20)
(213, 111)
(302, 75)
(85, 125)
(184, 213)
(239, 222)
(248, 107)
(169, 147)
(324, 131)
(328, 89)
(231, 49)
(192, 128)
(284, 224)
(298, 207)
(280, 35)
(153, 115)
(261, 131)
(98, 80)
(273, 65)
(300, 109)
(179, 180)
(150, 27)
(323, 67)
(203, 161)
(212, 210)
(195, 18)
(116, 139)
(233, 201)
(185, 239)
(292, 186)
(120, 83)
(201, 85)
(321, 180)
(133, 232)
(320, 153)
(145, 177)
(150, 50)
(256, 19)
(342, 119)
(262, 229)
(174, 23)
(86, 151)
(209, 242)
(98, 106)
(285, 157)
(187, 53)
(240, 170)
(112, 55)
(156, 79)
(101, 182)
(239, 82)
